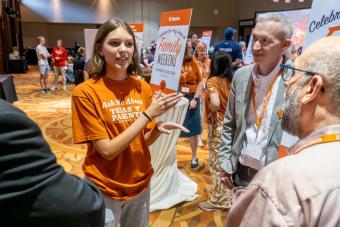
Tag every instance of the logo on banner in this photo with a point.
(174, 18)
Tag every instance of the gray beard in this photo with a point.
(291, 113)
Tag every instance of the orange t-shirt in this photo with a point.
(102, 109)
(190, 77)
(221, 86)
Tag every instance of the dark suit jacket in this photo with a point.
(34, 189)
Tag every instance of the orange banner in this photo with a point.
(175, 18)
(137, 27)
(207, 33)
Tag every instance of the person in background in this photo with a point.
(191, 85)
(204, 61)
(114, 114)
(251, 136)
(79, 65)
(44, 67)
(194, 41)
(69, 70)
(34, 190)
(151, 52)
(59, 56)
(302, 189)
(244, 50)
(231, 46)
(202, 58)
(218, 86)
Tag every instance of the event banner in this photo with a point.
(90, 35)
(138, 31)
(206, 38)
(299, 19)
(324, 21)
(171, 43)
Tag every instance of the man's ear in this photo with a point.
(313, 90)
(287, 43)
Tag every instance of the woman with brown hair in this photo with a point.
(190, 85)
(218, 86)
(114, 113)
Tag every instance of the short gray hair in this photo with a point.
(287, 26)
(242, 43)
(326, 63)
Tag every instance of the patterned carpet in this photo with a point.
(52, 112)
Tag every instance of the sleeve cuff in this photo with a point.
(227, 166)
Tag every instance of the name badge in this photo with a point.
(185, 89)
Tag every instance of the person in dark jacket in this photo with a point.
(79, 65)
(34, 189)
(230, 46)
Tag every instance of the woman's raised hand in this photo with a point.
(162, 102)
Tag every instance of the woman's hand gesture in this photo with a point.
(161, 103)
(166, 127)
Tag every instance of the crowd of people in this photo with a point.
(114, 112)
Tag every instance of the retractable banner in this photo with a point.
(324, 21)
(206, 38)
(90, 35)
(138, 30)
(171, 43)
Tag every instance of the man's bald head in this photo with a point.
(323, 57)
(313, 101)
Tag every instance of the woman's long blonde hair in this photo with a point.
(200, 45)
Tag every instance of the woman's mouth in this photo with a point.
(121, 60)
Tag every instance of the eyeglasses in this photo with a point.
(289, 71)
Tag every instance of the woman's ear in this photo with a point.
(99, 50)
(313, 90)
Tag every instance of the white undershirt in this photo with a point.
(253, 152)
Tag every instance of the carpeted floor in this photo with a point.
(52, 112)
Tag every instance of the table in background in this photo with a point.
(7, 88)
(18, 65)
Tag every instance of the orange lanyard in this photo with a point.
(259, 119)
(328, 138)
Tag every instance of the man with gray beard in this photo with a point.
(302, 189)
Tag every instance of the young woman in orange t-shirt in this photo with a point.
(114, 113)
(190, 84)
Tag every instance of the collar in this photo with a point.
(271, 74)
(314, 135)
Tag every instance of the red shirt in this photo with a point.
(61, 53)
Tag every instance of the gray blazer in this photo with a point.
(235, 122)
